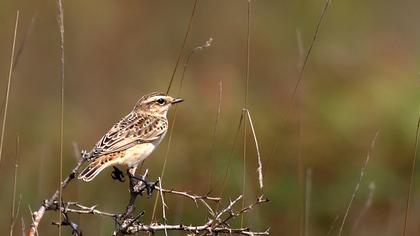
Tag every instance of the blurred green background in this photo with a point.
(362, 77)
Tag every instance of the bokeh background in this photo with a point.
(362, 77)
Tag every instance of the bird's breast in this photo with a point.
(136, 154)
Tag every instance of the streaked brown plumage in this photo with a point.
(133, 138)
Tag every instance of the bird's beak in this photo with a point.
(177, 100)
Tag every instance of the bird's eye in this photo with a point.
(161, 101)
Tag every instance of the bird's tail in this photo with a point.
(94, 168)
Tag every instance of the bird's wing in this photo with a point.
(131, 130)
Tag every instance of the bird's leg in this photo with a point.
(133, 181)
(117, 174)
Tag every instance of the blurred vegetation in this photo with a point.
(362, 77)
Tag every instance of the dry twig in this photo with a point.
(47, 204)
(213, 226)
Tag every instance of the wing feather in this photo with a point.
(131, 130)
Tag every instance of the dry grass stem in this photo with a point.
(301, 48)
(332, 225)
(164, 206)
(172, 125)
(308, 53)
(235, 139)
(25, 39)
(366, 206)
(412, 177)
(22, 226)
(356, 188)
(14, 213)
(214, 136)
(308, 194)
(9, 80)
(33, 231)
(184, 42)
(60, 21)
(76, 150)
(303, 61)
(248, 47)
(260, 166)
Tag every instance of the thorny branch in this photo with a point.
(126, 223)
(192, 229)
(217, 224)
(47, 204)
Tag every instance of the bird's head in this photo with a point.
(156, 103)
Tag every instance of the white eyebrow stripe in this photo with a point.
(154, 98)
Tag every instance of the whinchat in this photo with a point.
(131, 140)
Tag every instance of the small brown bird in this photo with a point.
(130, 141)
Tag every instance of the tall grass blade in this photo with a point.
(6, 101)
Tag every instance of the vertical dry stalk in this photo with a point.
(163, 204)
(332, 225)
(22, 227)
(76, 151)
(300, 164)
(308, 193)
(13, 212)
(356, 188)
(216, 122)
(248, 46)
(184, 42)
(366, 206)
(6, 102)
(243, 171)
(60, 21)
(300, 169)
(235, 140)
(24, 40)
(308, 53)
(412, 176)
(187, 62)
(260, 167)
(33, 230)
(301, 48)
(165, 160)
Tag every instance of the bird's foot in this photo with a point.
(139, 183)
(117, 174)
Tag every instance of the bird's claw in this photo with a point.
(117, 174)
(149, 186)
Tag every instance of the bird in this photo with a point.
(132, 139)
